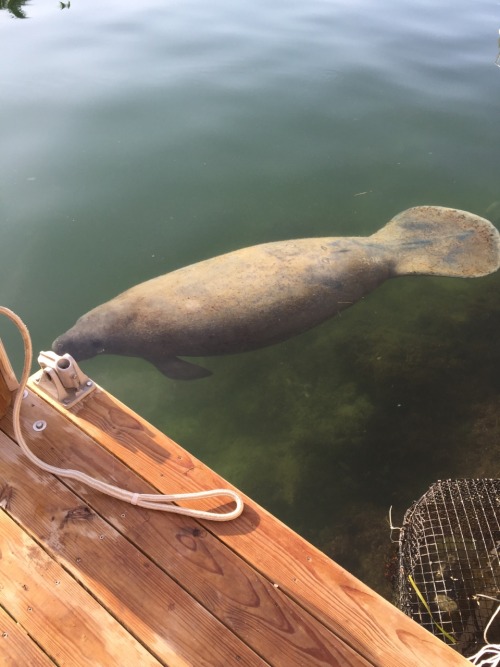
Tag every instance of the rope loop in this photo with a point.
(154, 501)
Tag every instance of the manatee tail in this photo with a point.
(438, 241)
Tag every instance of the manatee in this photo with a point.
(265, 294)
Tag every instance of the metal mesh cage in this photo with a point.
(448, 578)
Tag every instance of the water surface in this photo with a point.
(139, 137)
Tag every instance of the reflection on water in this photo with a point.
(140, 137)
(15, 7)
(18, 8)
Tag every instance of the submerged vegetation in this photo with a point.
(330, 429)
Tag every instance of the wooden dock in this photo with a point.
(88, 580)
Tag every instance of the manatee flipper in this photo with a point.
(439, 241)
(178, 369)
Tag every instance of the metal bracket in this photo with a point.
(62, 378)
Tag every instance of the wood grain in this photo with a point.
(259, 613)
(56, 611)
(17, 648)
(363, 619)
(5, 395)
(155, 610)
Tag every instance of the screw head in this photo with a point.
(39, 425)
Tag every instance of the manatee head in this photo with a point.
(101, 330)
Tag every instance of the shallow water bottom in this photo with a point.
(330, 429)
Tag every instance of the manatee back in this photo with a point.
(254, 296)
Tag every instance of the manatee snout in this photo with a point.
(77, 348)
(58, 345)
(63, 345)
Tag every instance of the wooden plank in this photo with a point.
(16, 647)
(5, 397)
(156, 610)
(5, 392)
(56, 611)
(252, 607)
(362, 618)
(6, 370)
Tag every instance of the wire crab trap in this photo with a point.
(448, 578)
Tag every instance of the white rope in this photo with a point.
(153, 501)
(493, 660)
(393, 528)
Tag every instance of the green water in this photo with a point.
(139, 137)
